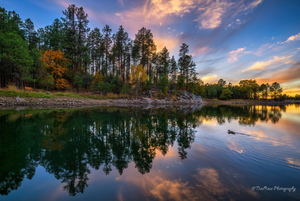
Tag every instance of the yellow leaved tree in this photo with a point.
(137, 77)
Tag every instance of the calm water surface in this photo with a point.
(112, 153)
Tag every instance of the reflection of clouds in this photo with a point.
(211, 122)
(162, 188)
(175, 190)
(294, 162)
(209, 184)
(268, 137)
(235, 147)
(120, 194)
(198, 148)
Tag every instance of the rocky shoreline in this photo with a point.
(79, 102)
(185, 99)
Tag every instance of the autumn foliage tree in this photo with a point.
(56, 65)
(137, 76)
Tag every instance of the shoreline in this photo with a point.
(81, 102)
(143, 102)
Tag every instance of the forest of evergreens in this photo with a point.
(68, 55)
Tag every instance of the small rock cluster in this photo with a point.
(185, 98)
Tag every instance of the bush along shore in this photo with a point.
(185, 98)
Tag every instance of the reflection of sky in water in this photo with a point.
(219, 166)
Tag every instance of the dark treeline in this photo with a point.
(246, 89)
(69, 54)
(67, 143)
(97, 59)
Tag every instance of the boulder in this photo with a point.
(18, 99)
(149, 101)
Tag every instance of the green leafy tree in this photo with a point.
(275, 90)
(249, 88)
(47, 80)
(104, 87)
(125, 88)
(212, 92)
(15, 58)
(77, 81)
(221, 82)
(264, 90)
(226, 94)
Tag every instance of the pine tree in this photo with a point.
(30, 33)
(144, 47)
(70, 43)
(173, 69)
(107, 44)
(83, 29)
(183, 63)
(163, 62)
(56, 35)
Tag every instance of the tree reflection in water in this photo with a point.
(67, 142)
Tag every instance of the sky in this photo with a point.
(232, 40)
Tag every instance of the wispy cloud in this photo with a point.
(284, 76)
(261, 65)
(233, 55)
(211, 16)
(260, 51)
(201, 50)
(292, 38)
(208, 13)
(213, 13)
(276, 46)
(158, 11)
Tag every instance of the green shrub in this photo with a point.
(125, 89)
(163, 84)
(226, 94)
(104, 87)
(116, 84)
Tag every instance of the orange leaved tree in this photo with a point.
(56, 65)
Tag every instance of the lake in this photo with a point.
(113, 153)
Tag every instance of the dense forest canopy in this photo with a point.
(68, 54)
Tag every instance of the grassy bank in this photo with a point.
(14, 92)
(23, 94)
